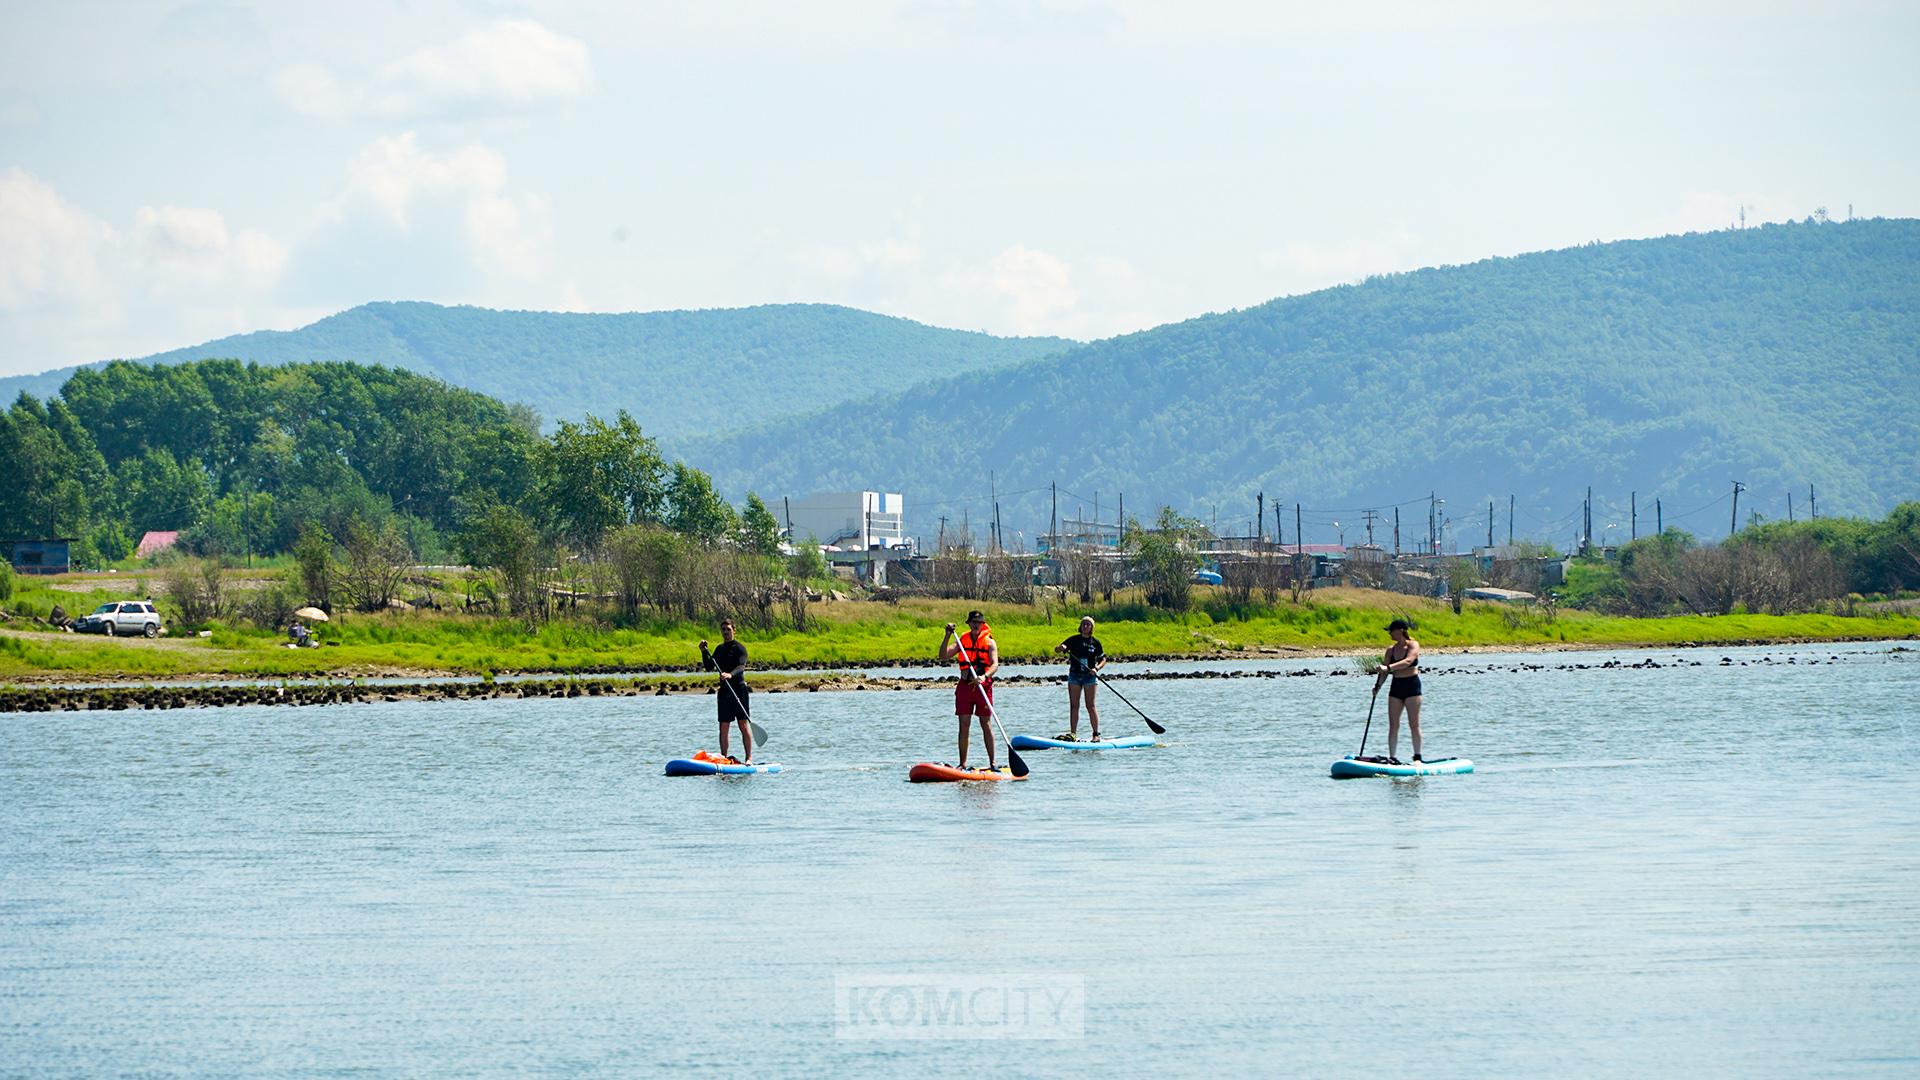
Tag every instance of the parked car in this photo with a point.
(121, 617)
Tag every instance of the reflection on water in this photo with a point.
(1655, 870)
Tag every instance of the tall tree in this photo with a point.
(597, 476)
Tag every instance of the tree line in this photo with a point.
(361, 471)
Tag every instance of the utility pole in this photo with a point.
(1733, 526)
(786, 507)
(1789, 507)
(1123, 511)
(1370, 515)
(1053, 540)
(1813, 508)
(1659, 526)
(1509, 520)
(941, 549)
(1587, 536)
(1489, 522)
(1299, 538)
(1279, 530)
(1633, 511)
(1396, 530)
(1432, 545)
(1260, 512)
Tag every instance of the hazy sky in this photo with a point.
(174, 173)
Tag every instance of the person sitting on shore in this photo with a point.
(302, 637)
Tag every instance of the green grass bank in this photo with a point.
(872, 633)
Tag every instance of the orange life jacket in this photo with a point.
(978, 646)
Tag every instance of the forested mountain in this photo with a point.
(679, 373)
(1780, 357)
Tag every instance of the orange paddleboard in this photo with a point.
(928, 772)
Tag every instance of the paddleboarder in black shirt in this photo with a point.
(1404, 694)
(730, 660)
(1084, 658)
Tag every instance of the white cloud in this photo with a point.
(194, 245)
(75, 288)
(392, 172)
(1038, 286)
(509, 64)
(404, 199)
(513, 61)
(50, 251)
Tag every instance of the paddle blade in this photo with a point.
(759, 733)
(1154, 727)
(1018, 763)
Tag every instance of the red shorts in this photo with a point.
(973, 698)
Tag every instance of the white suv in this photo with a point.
(121, 617)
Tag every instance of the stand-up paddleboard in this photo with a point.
(1350, 767)
(1130, 742)
(705, 764)
(928, 772)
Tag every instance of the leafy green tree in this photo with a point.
(807, 564)
(501, 538)
(1165, 557)
(314, 558)
(110, 542)
(237, 525)
(695, 509)
(377, 558)
(597, 476)
(759, 529)
(162, 492)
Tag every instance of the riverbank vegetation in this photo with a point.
(869, 633)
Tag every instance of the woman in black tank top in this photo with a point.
(1403, 694)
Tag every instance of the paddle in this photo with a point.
(1364, 732)
(1155, 728)
(759, 733)
(1013, 759)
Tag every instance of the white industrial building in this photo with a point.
(854, 520)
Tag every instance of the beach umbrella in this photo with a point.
(313, 614)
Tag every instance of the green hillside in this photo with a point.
(678, 372)
(1780, 357)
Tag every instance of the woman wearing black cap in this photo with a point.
(1403, 665)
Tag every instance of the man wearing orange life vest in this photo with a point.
(979, 658)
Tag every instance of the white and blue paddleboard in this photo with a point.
(1131, 742)
(1350, 767)
(690, 767)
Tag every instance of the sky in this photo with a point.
(173, 173)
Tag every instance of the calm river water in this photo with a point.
(1709, 869)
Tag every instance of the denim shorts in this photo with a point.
(1075, 678)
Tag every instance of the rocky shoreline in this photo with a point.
(178, 696)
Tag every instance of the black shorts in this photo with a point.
(1404, 688)
(730, 709)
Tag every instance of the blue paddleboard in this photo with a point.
(1131, 742)
(689, 767)
(1350, 767)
